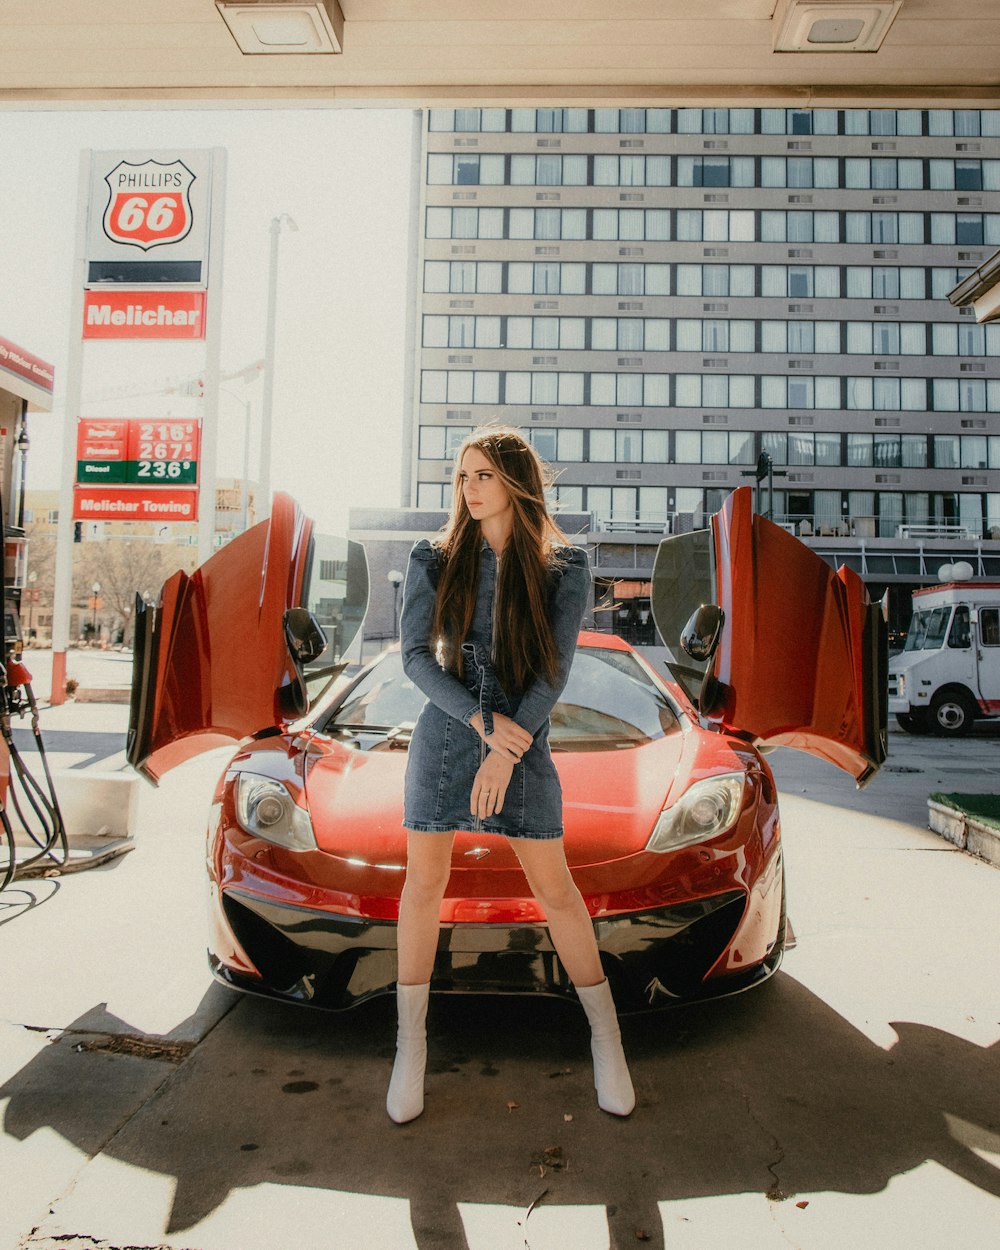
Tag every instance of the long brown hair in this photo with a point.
(524, 643)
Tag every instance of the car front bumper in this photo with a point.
(653, 958)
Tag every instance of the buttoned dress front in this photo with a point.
(445, 752)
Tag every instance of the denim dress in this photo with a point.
(445, 751)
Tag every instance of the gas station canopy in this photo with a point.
(26, 376)
(822, 52)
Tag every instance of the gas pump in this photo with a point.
(22, 793)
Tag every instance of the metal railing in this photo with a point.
(804, 525)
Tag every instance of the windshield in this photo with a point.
(610, 703)
(928, 630)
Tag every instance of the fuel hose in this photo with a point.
(31, 798)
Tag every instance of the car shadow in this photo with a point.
(771, 1092)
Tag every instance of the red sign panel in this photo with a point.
(108, 503)
(16, 360)
(140, 451)
(144, 315)
(101, 440)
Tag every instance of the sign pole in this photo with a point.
(63, 596)
(213, 344)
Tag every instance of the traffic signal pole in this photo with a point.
(764, 469)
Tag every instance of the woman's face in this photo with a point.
(484, 494)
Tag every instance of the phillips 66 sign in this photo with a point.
(148, 219)
(149, 205)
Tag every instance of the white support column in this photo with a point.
(267, 401)
(270, 345)
(414, 284)
(208, 458)
(63, 595)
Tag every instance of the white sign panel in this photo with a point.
(148, 219)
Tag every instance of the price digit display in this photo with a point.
(164, 452)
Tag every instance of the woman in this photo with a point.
(491, 613)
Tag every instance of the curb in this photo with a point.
(79, 859)
(965, 832)
(102, 694)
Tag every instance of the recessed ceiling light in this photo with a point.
(836, 30)
(832, 25)
(284, 27)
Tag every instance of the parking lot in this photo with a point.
(851, 1101)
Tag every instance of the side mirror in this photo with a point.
(700, 636)
(306, 640)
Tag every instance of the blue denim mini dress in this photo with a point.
(445, 751)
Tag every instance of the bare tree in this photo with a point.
(124, 567)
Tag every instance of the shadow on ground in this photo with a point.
(770, 1093)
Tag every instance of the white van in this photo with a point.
(948, 673)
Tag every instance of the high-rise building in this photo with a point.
(659, 295)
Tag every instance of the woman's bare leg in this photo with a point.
(572, 933)
(570, 926)
(428, 867)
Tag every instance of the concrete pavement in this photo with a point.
(853, 1101)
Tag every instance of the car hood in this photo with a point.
(355, 800)
(801, 660)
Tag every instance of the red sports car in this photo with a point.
(671, 815)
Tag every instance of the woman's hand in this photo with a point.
(507, 740)
(490, 785)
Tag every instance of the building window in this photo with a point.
(433, 495)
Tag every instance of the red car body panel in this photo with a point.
(797, 662)
(802, 657)
(365, 791)
(217, 665)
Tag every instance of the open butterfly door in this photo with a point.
(244, 643)
(800, 658)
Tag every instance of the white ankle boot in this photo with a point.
(611, 1078)
(405, 1099)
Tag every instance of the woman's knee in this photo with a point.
(423, 888)
(428, 868)
(558, 897)
(551, 883)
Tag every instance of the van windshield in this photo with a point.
(928, 630)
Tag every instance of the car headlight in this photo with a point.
(705, 810)
(901, 686)
(265, 808)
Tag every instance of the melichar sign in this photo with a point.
(96, 503)
(157, 314)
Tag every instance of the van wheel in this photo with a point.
(952, 713)
(913, 722)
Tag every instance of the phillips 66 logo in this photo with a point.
(149, 204)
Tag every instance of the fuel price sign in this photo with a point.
(163, 452)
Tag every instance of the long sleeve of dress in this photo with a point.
(419, 662)
(570, 602)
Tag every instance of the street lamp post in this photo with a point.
(267, 401)
(244, 480)
(96, 588)
(395, 578)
